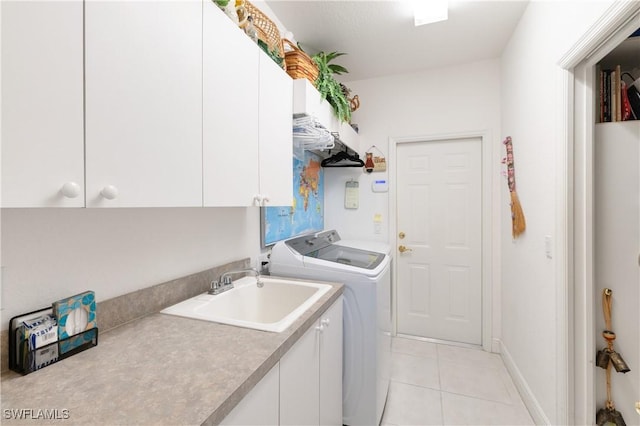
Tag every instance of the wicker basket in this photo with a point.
(299, 64)
(267, 30)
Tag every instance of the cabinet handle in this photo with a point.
(260, 200)
(109, 192)
(325, 322)
(70, 190)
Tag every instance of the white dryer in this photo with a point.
(367, 314)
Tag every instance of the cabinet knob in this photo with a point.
(70, 190)
(265, 199)
(257, 200)
(325, 322)
(109, 192)
(320, 328)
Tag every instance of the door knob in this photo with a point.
(401, 235)
(402, 249)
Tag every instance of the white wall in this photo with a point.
(532, 115)
(440, 101)
(48, 254)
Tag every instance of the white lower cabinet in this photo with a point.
(305, 387)
(260, 406)
(331, 365)
(311, 374)
(300, 381)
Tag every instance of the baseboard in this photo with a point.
(529, 399)
(496, 345)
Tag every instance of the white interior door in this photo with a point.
(616, 248)
(439, 258)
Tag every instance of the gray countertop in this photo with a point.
(160, 369)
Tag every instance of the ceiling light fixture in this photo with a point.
(427, 12)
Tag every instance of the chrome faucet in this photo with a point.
(225, 282)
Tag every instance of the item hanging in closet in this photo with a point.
(605, 359)
(343, 159)
(631, 98)
(518, 223)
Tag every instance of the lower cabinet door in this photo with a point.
(260, 406)
(331, 365)
(299, 381)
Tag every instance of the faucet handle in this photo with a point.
(225, 279)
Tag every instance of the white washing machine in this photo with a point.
(367, 313)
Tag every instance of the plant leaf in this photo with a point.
(331, 56)
(338, 69)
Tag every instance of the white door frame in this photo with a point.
(487, 234)
(574, 214)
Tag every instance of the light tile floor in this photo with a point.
(435, 384)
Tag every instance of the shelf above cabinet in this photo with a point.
(307, 101)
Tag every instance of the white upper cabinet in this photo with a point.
(42, 106)
(247, 133)
(140, 104)
(230, 119)
(143, 73)
(276, 136)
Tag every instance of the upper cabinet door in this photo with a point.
(42, 129)
(143, 103)
(276, 137)
(230, 105)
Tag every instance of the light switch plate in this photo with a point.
(548, 246)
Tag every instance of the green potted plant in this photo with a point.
(329, 88)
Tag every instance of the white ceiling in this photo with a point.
(381, 39)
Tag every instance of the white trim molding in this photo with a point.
(527, 395)
(616, 16)
(575, 308)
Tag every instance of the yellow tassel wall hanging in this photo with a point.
(518, 223)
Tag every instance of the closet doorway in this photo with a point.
(604, 224)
